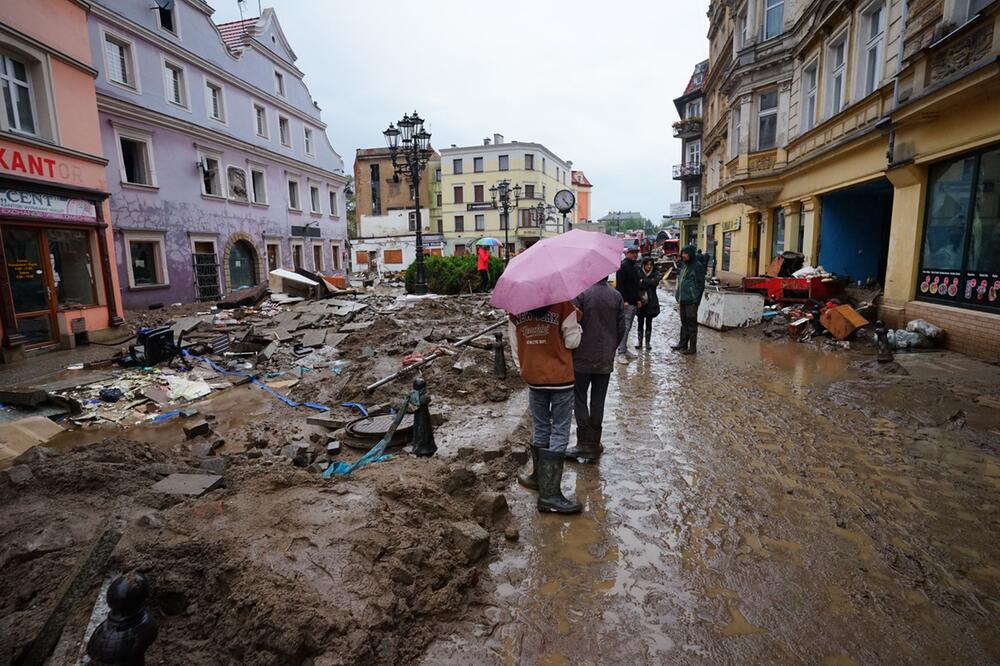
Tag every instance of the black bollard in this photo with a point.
(123, 638)
(882, 343)
(423, 429)
(499, 361)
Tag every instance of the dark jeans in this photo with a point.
(484, 280)
(689, 325)
(647, 324)
(592, 417)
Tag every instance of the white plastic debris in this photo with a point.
(925, 328)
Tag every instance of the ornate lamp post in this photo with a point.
(410, 149)
(501, 194)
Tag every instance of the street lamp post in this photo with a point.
(501, 193)
(409, 158)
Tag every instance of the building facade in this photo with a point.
(862, 135)
(387, 243)
(468, 173)
(688, 129)
(58, 286)
(380, 191)
(220, 168)
(583, 189)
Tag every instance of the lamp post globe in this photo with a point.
(408, 161)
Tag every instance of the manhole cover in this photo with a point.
(376, 426)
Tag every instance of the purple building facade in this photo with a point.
(220, 168)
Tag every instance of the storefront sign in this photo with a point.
(49, 206)
(482, 205)
(732, 225)
(680, 209)
(18, 160)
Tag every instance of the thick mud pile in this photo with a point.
(278, 567)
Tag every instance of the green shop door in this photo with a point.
(30, 284)
(242, 265)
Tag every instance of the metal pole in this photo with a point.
(506, 233)
(420, 286)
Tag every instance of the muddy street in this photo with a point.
(763, 503)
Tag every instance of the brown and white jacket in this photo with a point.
(542, 346)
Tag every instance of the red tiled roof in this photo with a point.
(697, 79)
(233, 32)
(579, 179)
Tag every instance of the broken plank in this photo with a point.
(315, 337)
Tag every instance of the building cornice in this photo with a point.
(54, 148)
(47, 48)
(133, 112)
(501, 147)
(122, 23)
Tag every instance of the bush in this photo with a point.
(452, 275)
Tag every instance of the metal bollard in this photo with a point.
(123, 638)
(499, 361)
(423, 429)
(882, 343)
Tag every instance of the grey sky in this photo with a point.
(592, 80)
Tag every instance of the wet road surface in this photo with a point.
(762, 503)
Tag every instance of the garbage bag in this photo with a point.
(901, 339)
(925, 328)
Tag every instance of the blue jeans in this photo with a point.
(551, 415)
(629, 317)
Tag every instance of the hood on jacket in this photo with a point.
(691, 250)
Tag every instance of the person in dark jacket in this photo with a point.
(627, 283)
(690, 287)
(649, 307)
(603, 326)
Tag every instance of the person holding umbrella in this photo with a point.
(483, 246)
(536, 290)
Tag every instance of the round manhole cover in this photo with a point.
(376, 426)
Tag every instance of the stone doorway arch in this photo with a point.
(243, 262)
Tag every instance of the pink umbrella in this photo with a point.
(555, 270)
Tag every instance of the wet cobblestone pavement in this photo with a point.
(762, 503)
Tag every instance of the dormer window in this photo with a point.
(166, 16)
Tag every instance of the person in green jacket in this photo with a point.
(690, 287)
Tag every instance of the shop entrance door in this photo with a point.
(30, 285)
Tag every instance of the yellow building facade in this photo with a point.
(864, 135)
(466, 210)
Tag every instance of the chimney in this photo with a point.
(497, 138)
(486, 141)
(569, 163)
(454, 146)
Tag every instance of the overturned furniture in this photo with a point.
(725, 309)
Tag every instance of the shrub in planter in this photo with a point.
(452, 275)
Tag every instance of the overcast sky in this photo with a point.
(592, 80)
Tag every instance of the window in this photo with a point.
(459, 223)
(279, 83)
(334, 210)
(394, 257)
(774, 15)
(778, 238)
(211, 176)
(314, 204)
(335, 253)
(480, 223)
(477, 164)
(118, 58)
(260, 120)
(961, 250)
(543, 166)
(214, 101)
(694, 196)
(411, 221)
(15, 81)
(165, 16)
(529, 191)
(557, 173)
(810, 79)
(727, 249)
(504, 161)
(873, 27)
(693, 109)
(459, 193)
(437, 198)
(478, 193)
(72, 267)
(966, 10)
(361, 257)
(376, 184)
(767, 120)
(440, 225)
(273, 256)
(437, 175)
(456, 166)
(308, 138)
(147, 260)
(529, 162)
(317, 258)
(236, 178)
(258, 179)
(742, 34)
(837, 69)
(293, 195)
(136, 158)
(413, 193)
(297, 256)
(284, 132)
(460, 250)
(693, 152)
(176, 86)
(737, 134)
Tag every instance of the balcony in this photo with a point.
(688, 128)
(689, 170)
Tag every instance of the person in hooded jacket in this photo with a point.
(649, 305)
(483, 263)
(690, 288)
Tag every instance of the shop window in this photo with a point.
(393, 256)
(146, 260)
(961, 253)
(237, 181)
(778, 238)
(727, 249)
(72, 267)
